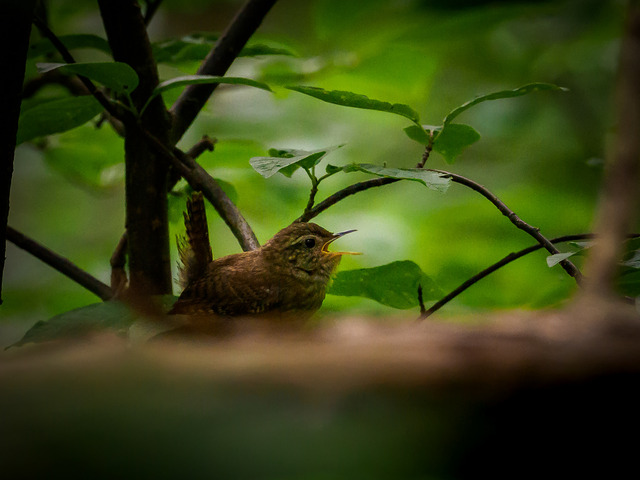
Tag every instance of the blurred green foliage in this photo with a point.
(541, 154)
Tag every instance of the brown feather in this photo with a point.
(194, 249)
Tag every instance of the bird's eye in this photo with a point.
(310, 242)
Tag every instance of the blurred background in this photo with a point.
(542, 154)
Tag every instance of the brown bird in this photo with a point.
(289, 274)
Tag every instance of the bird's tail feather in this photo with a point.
(194, 248)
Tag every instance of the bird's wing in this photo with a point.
(229, 289)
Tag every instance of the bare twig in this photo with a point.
(427, 152)
(505, 261)
(203, 145)
(60, 263)
(310, 212)
(342, 194)
(200, 180)
(568, 266)
(217, 62)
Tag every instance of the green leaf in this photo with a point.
(75, 41)
(114, 316)
(89, 156)
(448, 142)
(517, 92)
(433, 180)
(394, 284)
(117, 76)
(185, 80)
(259, 49)
(453, 139)
(286, 161)
(355, 100)
(332, 169)
(553, 260)
(419, 133)
(195, 47)
(56, 116)
(628, 282)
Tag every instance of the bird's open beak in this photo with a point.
(325, 247)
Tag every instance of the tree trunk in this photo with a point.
(146, 173)
(15, 28)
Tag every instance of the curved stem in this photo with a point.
(568, 266)
(341, 194)
(506, 260)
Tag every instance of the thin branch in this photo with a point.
(427, 152)
(310, 213)
(313, 192)
(203, 145)
(344, 193)
(217, 62)
(60, 263)
(505, 261)
(67, 57)
(199, 179)
(568, 266)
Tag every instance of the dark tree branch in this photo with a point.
(619, 200)
(15, 27)
(60, 263)
(505, 261)
(200, 180)
(217, 62)
(146, 177)
(203, 145)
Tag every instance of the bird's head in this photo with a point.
(304, 247)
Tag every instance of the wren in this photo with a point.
(287, 275)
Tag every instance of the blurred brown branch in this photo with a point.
(619, 197)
